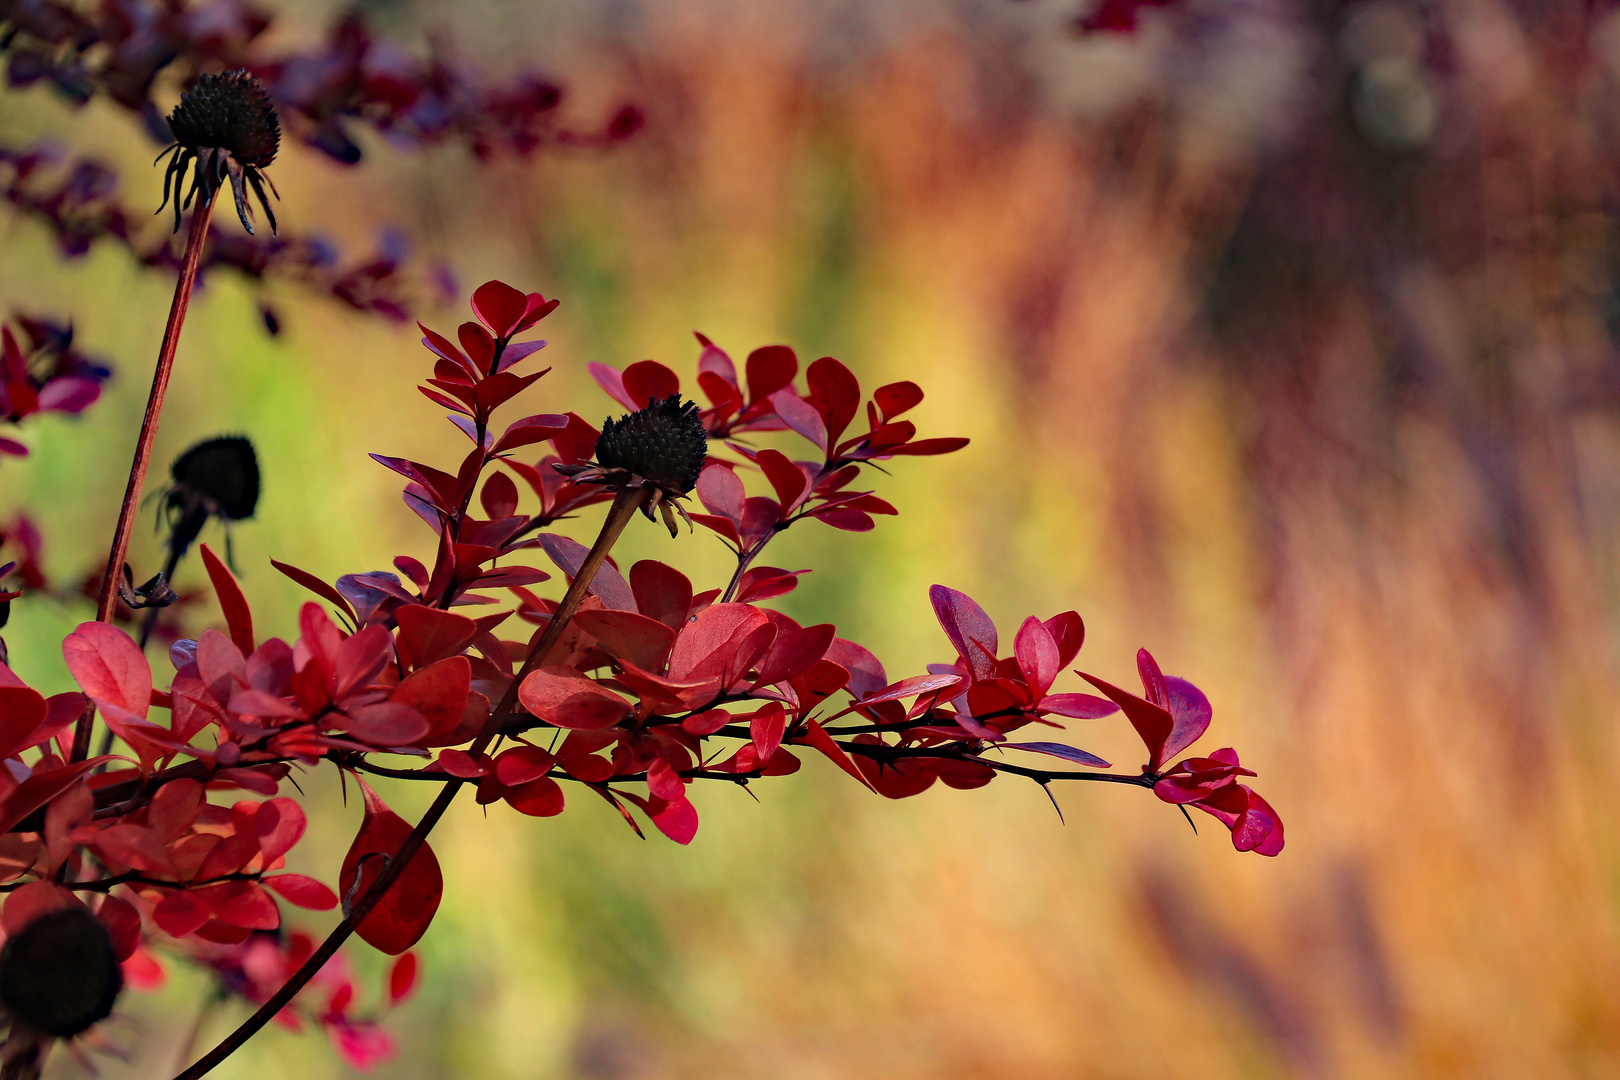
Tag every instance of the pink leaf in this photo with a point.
(1037, 655)
(303, 891)
(968, 628)
(109, 666)
(801, 416)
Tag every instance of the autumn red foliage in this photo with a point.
(633, 688)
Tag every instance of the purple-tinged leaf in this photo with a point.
(968, 628)
(1068, 753)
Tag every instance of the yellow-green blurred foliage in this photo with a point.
(1022, 223)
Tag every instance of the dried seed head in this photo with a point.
(59, 975)
(225, 129)
(664, 443)
(223, 472)
(230, 112)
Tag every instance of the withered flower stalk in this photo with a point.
(227, 126)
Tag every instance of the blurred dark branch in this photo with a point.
(123, 49)
(77, 202)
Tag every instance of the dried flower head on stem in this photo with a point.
(225, 127)
(660, 448)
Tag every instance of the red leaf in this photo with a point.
(648, 381)
(109, 666)
(303, 891)
(180, 913)
(530, 429)
(22, 711)
(816, 737)
(795, 651)
(837, 392)
(1068, 753)
(499, 498)
(521, 764)
(241, 903)
(896, 398)
(1069, 632)
(540, 797)
(316, 586)
(927, 447)
(387, 724)
(643, 641)
(787, 478)
(677, 820)
(842, 517)
(767, 582)
(1151, 722)
(500, 306)
(611, 381)
(403, 914)
(963, 775)
(1078, 706)
(912, 687)
(280, 824)
(31, 901)
(661, 592)
(439, 693)
(724, 526)
(231, 601)
(968, 628)
(462, 764)
(664, 782)
(174, 807)
(563, 697)
(721, 491)
(1038, 657)
(123, 924)
(866, 675)
(766, 728)
(769, 368)
(40, 789)
(430, 634)
(716, 633)
(402, 978)
(897, 779)
(801, 416)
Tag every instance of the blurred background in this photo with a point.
(1285, 335)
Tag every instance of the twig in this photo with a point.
(108, 601)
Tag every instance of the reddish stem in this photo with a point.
(625, 504)
(143, 445)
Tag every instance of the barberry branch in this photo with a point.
(625, 505)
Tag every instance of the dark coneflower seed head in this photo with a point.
(59, 974)
(664, 443)
(232, 112)
(227, 125)
(222, 471)
(217, 478)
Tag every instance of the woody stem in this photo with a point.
(625, 504)
(108, 601)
